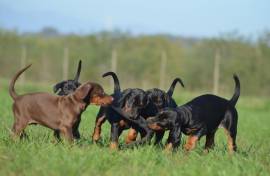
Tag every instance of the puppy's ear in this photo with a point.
(58, 86)
(83, 91)
(148, 99)
(149, 96)
(167, 100)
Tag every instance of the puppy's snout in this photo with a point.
(110, 99)
(142, 104)
(107, 100)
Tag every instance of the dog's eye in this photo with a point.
(137, 101)
(145, 101)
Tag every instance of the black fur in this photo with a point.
(130, 102)
(68, 86)
(158, 100)
(201, 116)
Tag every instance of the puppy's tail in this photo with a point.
(117, 88)
(236, 94)
(12, 92)
(171, 89)
(78, 71)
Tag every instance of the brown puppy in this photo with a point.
(60, 113)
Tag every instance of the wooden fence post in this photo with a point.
(45, 68)
(216, 72)
(23, 63)
(162, 75)
(65, 63)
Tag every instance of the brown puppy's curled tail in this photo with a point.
(171, 89)
(12, 92)
(236, 94)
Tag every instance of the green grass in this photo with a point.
(39, 156)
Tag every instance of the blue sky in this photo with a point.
(187, 18)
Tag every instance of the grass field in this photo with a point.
(39, 156)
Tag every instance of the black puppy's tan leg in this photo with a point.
(193, 138)
(97, 131)
(231, 138)
(210, 141)
(159, 136)
(146, 136)
(132, 135)
(174, 139)
(191, 142)
(145, 132)
(230, 125)
(115, 132)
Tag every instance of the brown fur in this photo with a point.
(231, 142)
(60, 113)
(132, 135)
(97, 130)
(114, 145)
(155, 127)
(169, 147)
(191, 142)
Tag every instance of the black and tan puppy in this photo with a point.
(68, 86)
(60, 113)
(157, 100)
(129, 101)
(128, 115)
(201, 116)
(103, 111)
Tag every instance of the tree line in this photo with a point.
(139, 58)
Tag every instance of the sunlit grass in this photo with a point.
(38, 155)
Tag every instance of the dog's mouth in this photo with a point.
(104, 104)
(99, 104)
(152, 124)
(155, 127)
(105, 101)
